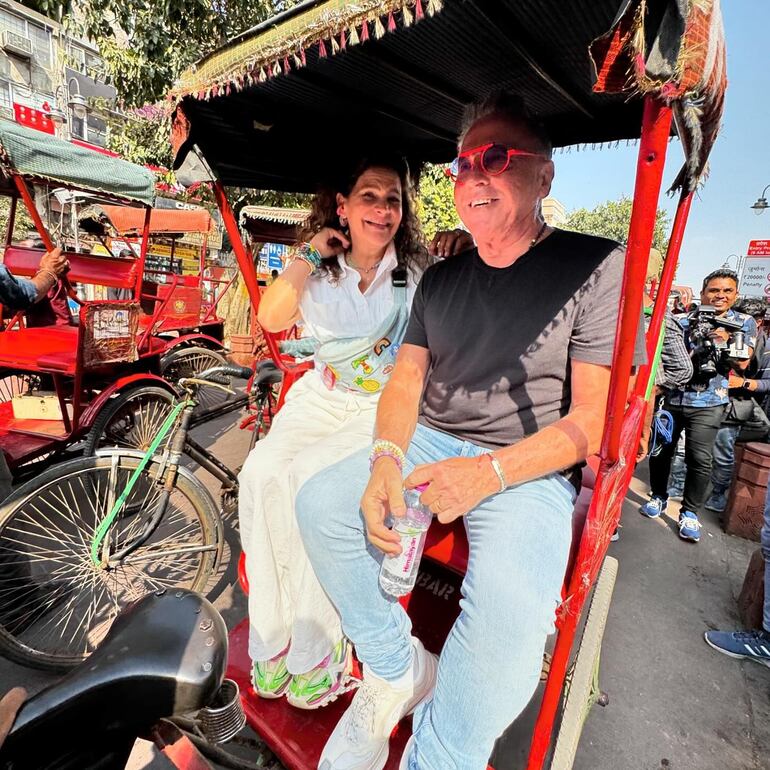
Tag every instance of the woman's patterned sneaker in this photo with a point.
(270, 678)
(324, 683)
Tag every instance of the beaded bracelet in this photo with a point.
(385, 448)
(310, 255)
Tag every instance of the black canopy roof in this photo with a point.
(277, 125)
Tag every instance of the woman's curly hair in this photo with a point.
(409, 241)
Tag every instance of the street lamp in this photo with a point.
(77, 102)
(761, 203)
(738, 259)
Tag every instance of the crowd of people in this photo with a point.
(724, 399)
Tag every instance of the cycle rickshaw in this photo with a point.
(264, 110)
(261, 113)
(110, 370)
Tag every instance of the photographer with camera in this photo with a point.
(720, 341)
(745, 419)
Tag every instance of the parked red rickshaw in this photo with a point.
(70, 380)
(278, 106)
(179, 244)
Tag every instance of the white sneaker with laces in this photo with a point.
(360, 739)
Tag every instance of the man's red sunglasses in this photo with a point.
(493, 160)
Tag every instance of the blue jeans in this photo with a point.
(491, 661)
(724, 457)
(764, 539)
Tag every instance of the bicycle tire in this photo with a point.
(43, 592)
(189, 362)
(140, 428)
(581, 692)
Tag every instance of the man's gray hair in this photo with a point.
(508, 106)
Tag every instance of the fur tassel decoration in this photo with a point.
(335, 45)
(379, 30)
(365, 31)
(302, 56)
(321, 49)
(297, 61)
(353, 38)
(262, 77)
(391, 22)
(407, 15)
(276, 69)
(343, 40)
(286, 65)
(418, 14)
(434, 6)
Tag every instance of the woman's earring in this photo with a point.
(343, 221)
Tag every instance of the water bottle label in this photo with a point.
(410, 545)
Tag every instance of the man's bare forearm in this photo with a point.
(400, 401)
(559, 446)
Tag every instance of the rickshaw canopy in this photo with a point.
(283, 105)
(41, 157)
(127, 221)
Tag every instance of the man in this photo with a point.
(749, 387)
(699, 407)
(754, 644)
(511, 343)
(22, 293)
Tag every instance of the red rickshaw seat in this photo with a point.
(40, 349)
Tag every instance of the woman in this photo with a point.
(351, 283)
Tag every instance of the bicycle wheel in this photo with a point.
(582, 687)
(188, 362)
(131, 420)
(55, 604)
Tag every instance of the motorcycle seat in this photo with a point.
(165, 655)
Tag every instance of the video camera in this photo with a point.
(711, 356)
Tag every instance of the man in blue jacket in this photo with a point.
(21, 293)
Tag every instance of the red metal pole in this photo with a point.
(245, 262)
(11, 220)
(656, 126)
(29, 202)
(664, 288)
(143, 253)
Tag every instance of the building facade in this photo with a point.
(48, 79)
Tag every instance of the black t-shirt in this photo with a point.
(501, 339)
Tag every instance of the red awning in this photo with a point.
(129, 221)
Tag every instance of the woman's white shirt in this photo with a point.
(331, 310)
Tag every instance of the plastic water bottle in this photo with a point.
(398, 574)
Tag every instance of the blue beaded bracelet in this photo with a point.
(309, 254)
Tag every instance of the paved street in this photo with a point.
(674, 702)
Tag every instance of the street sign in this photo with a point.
(275, 254)
(755, 276)
(758, 249)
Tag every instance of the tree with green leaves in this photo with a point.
(147, 44)
(611, 220)
(436, 206)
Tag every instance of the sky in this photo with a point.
(721, 220)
